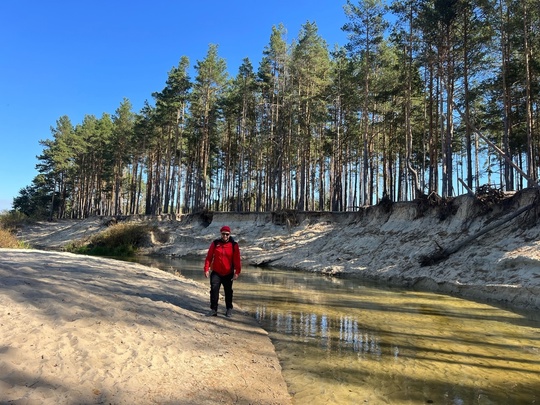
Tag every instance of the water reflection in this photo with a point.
(343, 342)
(339, 335)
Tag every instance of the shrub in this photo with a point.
(117, 240)
(13, 219)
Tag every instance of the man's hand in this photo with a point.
(235, 277)
(206, 274)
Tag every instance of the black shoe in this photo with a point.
(213, 312)
(228, 314)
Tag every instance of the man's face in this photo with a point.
(225, 236)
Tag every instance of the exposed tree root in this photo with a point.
(442, 254)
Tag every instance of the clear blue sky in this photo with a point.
(73, 58)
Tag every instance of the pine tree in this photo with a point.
(365, 29)
(207, 89)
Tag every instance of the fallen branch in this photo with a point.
(442, 254)
(469, 190)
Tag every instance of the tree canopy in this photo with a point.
(427, 96)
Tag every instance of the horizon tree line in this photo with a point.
(443, 99)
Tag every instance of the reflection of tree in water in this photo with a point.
(337, 335)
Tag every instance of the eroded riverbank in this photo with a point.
(383, 244)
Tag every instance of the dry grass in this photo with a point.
(8, 240)
(9, 222)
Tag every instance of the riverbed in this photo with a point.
(343, 341)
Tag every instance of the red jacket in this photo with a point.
(223, 257)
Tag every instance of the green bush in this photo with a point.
(13, 219)
(117, 240)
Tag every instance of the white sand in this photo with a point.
(94, 331)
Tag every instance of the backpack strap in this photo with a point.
(216, 241)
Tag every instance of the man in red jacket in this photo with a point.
(223, 258)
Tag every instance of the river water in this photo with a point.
(342, 341)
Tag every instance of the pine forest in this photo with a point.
(427, 97)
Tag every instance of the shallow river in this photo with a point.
(342, 341)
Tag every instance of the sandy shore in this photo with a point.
(97, 331)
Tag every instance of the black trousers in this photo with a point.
(216, 281)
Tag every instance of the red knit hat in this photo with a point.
(225, 229)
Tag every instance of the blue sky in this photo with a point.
(74, 58)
